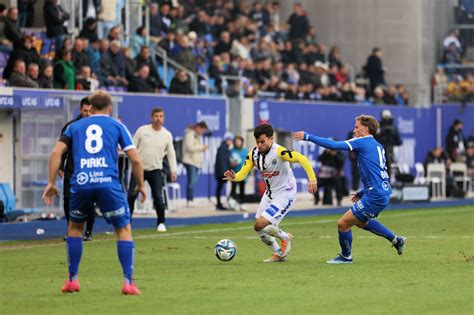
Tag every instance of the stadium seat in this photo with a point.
(9, 201)
(175, 194)
(436, 177)
(420, 174)
(459, 173)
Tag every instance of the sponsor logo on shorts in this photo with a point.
(115, 213)
(359, 204)
(82, 178)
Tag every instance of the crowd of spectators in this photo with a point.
(273, 55)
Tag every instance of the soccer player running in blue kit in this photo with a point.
(375, 195)
(93, 142)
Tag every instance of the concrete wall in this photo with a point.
(408, 31)
(6, 148)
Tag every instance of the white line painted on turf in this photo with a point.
(387, 216)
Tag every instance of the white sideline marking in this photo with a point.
(171, 234)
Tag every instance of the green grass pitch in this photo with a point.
(178, 273)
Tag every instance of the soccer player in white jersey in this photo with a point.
(272, 160)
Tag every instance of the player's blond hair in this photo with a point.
(370, 122)
(100, 100)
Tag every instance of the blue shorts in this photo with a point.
(111, 200)
(366, 208)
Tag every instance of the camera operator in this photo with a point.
(389, 137)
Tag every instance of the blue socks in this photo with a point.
(345, 240)
(379, 229)
(74, 253)
(126, 252)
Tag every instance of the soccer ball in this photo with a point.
(225, 250)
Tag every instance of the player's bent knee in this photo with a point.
(260, 224)
(342, 225)
(75, 229)
(124, 233)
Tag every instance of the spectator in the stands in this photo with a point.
(298, 22)
(115, 33)
(453, 39)
(89, 30)
(440, 83)
(165, 17)
(224, 44)
(26, 10)
(12, 29)
(374, 69)
(106, 18)
(23, 50)
(93, 53)
(112, 66)
(33, 72)
(141, 82)
(80, 57)
(19, 77)
(6, 46)
(85, 81)
(311, 38)
(389, 97)
(378, 98)
(130, 64)
(180, 21)
(402, 96)
(54, 17)
(169, 42)
(64, 76)
(145, 57)
(138, 40)
(46, 77)
(185, 56)
(291, 53)
(91, 9)
(452, 55)
(200, 24)
(335, 56)
(181, 84)
(347, 93)
(342, 75)
(67, 44)
(155, 23)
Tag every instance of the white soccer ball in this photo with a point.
(233, 204)
(225, 250)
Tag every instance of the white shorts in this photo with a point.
(275, 209)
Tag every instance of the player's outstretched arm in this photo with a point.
(244, 171)
(54, 164)
(296, 157)
(137, 170)
(324, 142)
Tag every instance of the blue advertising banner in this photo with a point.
(180, 112)
(28, 99)
(417, 127)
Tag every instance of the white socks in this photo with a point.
(270, 242)
(276, 232)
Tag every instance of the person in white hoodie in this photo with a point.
(193, 150)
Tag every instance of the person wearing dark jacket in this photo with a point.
(298, 22)
(455, 142)
(141, 81)
(112, 65)
(19, 77)
(12, 30)
(222, 165)
(330, 176)
(374, 69)
(389, 137)
(46, 77)
(54, 17)
(23, 50)
(66, 171)
(80, 57)
(89, 30)
(144, 57)
(181, 84)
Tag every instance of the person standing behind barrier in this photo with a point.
(455, 145)
(237, 160)
(67, 169)
(193, 149)
(154, 142)
(222, 165)
(389, 137)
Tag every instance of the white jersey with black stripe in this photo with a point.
(276, 172)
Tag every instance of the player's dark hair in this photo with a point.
(100, 100)
(156, 110)
(370, 122)
(263, 129)
(85, 101)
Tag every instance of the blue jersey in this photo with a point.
(94, 144)
(372, 167)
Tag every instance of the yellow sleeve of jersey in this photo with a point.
(245, 170)
(293, 156)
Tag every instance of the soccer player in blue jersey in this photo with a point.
(375, 195)
(93, 142)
